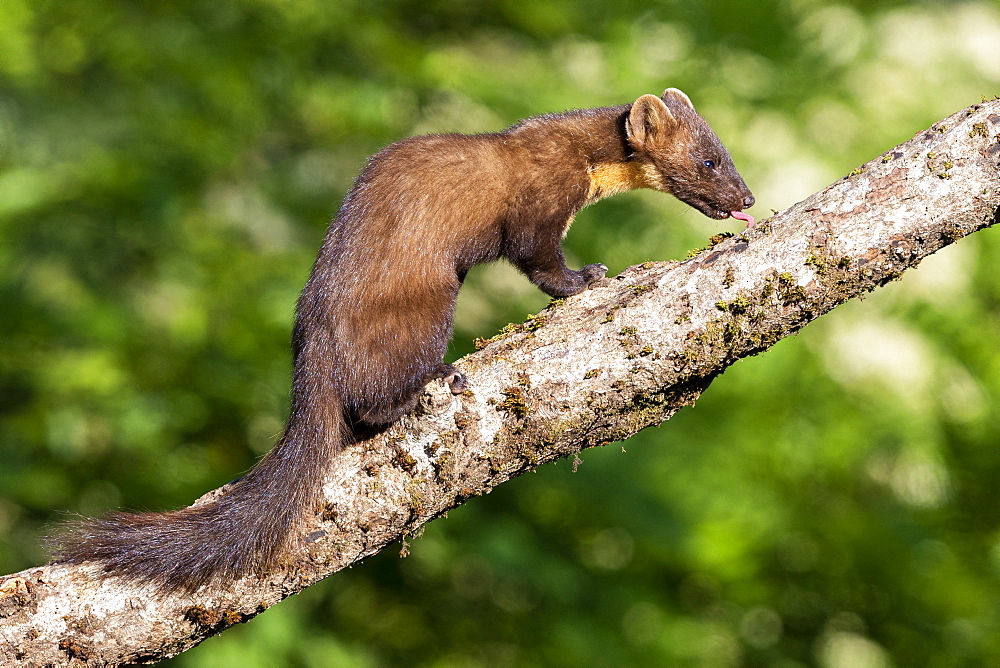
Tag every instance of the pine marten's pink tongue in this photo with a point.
(739, 215)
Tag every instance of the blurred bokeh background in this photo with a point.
(167, 171)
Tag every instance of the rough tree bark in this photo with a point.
(587, 370)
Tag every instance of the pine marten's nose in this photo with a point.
(748, 201)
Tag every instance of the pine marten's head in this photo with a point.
(681, 155)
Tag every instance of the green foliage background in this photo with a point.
(167, 170)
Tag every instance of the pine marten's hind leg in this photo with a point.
(384, 413)
(456, 380)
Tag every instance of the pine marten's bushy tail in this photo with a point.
(246, 531)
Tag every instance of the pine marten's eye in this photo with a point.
(710, 164)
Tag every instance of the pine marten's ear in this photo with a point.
(676, 95)
(648, 121)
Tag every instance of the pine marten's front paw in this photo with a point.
(593, 273)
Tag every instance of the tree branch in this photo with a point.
(591, 369)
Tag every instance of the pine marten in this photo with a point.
(374, 319)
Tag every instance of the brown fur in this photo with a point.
(374, 319)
